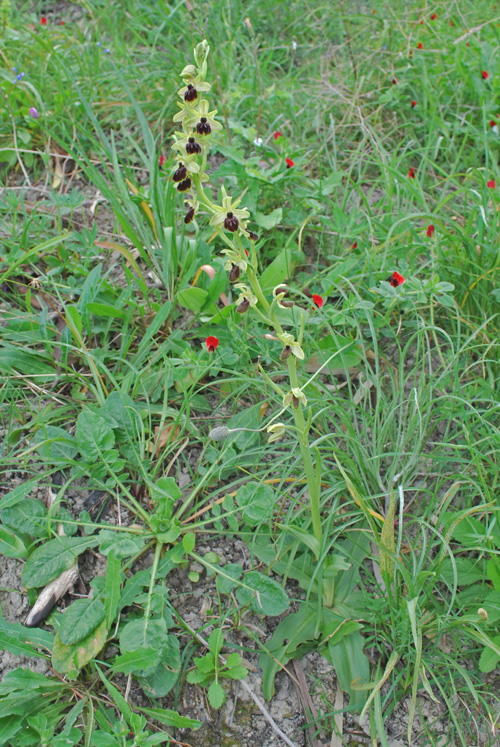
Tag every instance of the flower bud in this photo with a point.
(191, 93)
(234, 273)
(34, 113)
(189, 216)
(192, 146)
(203, 128)
(285, 353)
(243, 307)
(184, 186)
(231, 222)
(252, 236)
(219, 433)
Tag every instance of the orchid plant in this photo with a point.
(230, 223)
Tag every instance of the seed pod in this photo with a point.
(285, 353)
(231, 223)
(234, 273)
(243, 307)
(192, 146)
(191, 93)
(252, 236)
(184, 186)
(219, 433)
(189, 216)
(180, 173)
(203, 128)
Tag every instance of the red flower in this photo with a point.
(421, 23)
(413, 104)
(451, 23)
(434, 16)
(491, 184)
(355, 245)
(61, 23)
(161, 160)
(277, 134)
(411, 173)
(394, 81)
(430, 230)
(289, 163)
(43, 21)
(485, 75)
(420, 45)
(467, 44)
(493, 123)
(212, 343)
(317, 300)
(396, 279)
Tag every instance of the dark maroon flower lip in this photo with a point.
(180, 173)
(231, 222)
(234, 273)
(189, 216)
(184, 186)
(192, 146)
(203, 128)
(191, 93)
(285, 353)
(243, 307)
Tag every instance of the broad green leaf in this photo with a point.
(70, 659)
(351, 666)
(280, 269)
(21, 641)
(216, 695)
(18, 494)
(224, 584)
(216, 641)
(467, 571)
(102, 309)
(265, 595)
(188, 542)
(171, 718)
(269, 221)
(122, 409)
(113, 588)
(296, 629)
(141, 658)
(94, 435)
(27, 517)
(238, 672)
(163, 678)
(193, 299)
(489, 658)
(55, 445)
(26, 362)
(122, 544)
(80, 619)
(256, 501)
(52, 558)
(333, 180)
(11, 546)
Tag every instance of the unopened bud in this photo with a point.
(248, 24)
(219, 433)
(482, 613)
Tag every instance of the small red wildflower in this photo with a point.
(289, 163)
(430, 230)
(394, 81)
(413, 104)
(420, 45)
(355, 245)
(43, 21)
(161, 160)
(467, 45)
(411, 173)
(277, 134)
(491, 184)
(212, 343)
(317, 300)
(485, 75)
(434, 16)
(451, 23)
(421, 23)
(493, 123)
(61, 23)
(396, 279)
